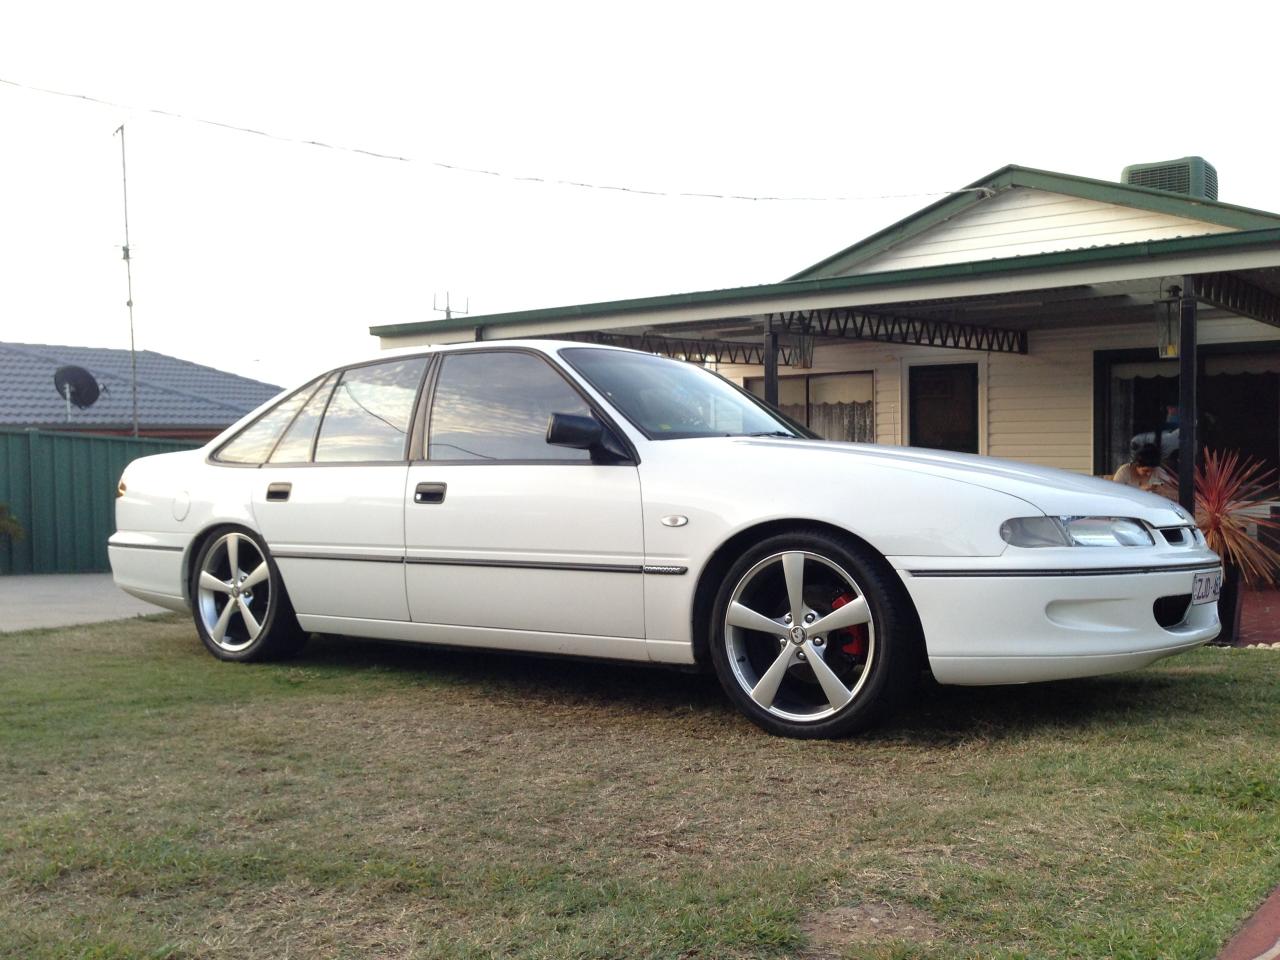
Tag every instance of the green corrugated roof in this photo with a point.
(1120, 253)
(1124, 194)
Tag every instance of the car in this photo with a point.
(586, 500)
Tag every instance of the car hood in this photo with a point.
(1054, 492)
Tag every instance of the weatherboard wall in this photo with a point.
(1022, 221)
(61, 488)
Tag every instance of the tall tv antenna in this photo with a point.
(128, 271)
(447, 309)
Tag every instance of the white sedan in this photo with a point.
(560, 498)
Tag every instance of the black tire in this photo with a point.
(871, 650)
(238, 600)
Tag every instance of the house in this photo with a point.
(177, 399)
(1034, 316)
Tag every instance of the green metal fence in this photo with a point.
(61, 487)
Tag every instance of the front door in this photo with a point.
(942, 405)
(511, 541)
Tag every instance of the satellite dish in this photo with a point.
(76, 385)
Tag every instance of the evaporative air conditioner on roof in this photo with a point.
(1193, 176)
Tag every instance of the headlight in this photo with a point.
(1075, 532)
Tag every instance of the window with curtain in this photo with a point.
(836, 406)
(1238, 396)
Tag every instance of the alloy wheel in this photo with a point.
(233, 592)
(800, 636)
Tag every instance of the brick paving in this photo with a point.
(1260, 618)
(1259, 938)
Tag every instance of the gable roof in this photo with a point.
(171, 392)
(1220, 216)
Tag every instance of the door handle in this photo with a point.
(278, 492)
(429, 493)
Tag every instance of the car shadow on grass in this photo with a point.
(932, 713)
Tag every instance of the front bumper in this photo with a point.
(999, 623)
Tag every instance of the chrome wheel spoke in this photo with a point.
(852, 614)
(836, 692)
(219, 630)
(260, 573)
(209, 582)
(250, 623)
(766, 690)
(747, 619)
(793, 572)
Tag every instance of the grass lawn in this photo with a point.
(369, 800)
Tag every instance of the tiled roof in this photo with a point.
(171, 392)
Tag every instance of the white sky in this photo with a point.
(272, 259)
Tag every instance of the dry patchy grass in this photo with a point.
(370, 800)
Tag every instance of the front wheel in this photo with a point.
(811, 636)
(241, 609)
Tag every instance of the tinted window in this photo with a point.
(670, 398)
(368, 415)
(295, 445)
(495, 406)
(253, 444)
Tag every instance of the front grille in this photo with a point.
(1171, 611)
(1177, 536)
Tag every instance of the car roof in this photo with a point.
(542, 346)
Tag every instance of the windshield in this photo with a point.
(671, 399)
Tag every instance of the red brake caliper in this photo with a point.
(852, 640)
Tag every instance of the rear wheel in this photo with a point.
(811, 636)
(241, 609)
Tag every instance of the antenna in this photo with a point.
(447, 309)
(128, 270)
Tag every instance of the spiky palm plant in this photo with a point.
(1227, 489)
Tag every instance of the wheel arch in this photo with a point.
(712, 573)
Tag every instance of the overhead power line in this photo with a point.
(460, 168)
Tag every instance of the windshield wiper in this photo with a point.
(774, 433)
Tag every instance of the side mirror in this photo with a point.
(585, 433)
(567, 430)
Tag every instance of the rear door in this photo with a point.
(330, 500)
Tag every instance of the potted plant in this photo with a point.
(1228, 490)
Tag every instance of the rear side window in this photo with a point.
(368, 415)
(253, 444)
(295, 445)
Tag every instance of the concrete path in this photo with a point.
(64, 600)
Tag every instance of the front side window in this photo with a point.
(495, 406)
(253, 444)
(368, 415)
(671, 399)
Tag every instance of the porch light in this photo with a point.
(1167, 324)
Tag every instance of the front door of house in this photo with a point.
(942, 406)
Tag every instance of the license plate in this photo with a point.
(1205, 587)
